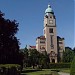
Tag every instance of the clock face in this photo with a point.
(50, 21)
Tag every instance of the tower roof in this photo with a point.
(49, 9)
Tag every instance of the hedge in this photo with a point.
(9, 65)
(10, 69)
(59, 65)
(55, 65)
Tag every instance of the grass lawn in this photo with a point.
(66, 70)
(42, 72)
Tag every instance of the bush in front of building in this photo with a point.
(55, 65)
(10, 69)
(59, 65)
(72, 70)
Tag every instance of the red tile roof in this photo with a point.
(33, 47)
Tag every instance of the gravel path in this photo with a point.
(61, 73)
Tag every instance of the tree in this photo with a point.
(44, 60)
(74, 49)
(9, 44)
(68, 55)
(72, 72)
(33, 57)
(26, 57)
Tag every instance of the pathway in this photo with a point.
(61, 73)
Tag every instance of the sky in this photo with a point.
(30, 15)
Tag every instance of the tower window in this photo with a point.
(52, 46)
(60, 42)
(46, 16)
(51, 30)
(42, 41)
(46, 24)
(50, 16)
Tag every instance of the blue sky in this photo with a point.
(30, 14)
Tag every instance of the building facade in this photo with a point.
(50, 42)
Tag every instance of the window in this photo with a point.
(42, 41)
(42, 47)
(46, 24)
(51, 40)
(52, 46)
(60, 42)
(50, 16)
(51, 30)
(60, 48)
(46, 16)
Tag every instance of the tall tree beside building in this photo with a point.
(9, 44)
(68, 55)
(34, 57)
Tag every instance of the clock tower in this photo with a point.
(50, 34)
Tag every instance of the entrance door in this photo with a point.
(53, 60)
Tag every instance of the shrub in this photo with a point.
(45, 66)
(10, 69)
(59, 65)
(72, 72)
(55, 65)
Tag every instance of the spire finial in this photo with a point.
(49, 5)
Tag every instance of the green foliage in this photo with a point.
(25, 60)
(59, 65)
(74, 49)
(44, 60)
(10, 69)
(72, 72)
(41, 59)
(9, 65)
(9, 44)
(68, 55)
(33, 58)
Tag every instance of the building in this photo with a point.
(32, 47)
(50, 42)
